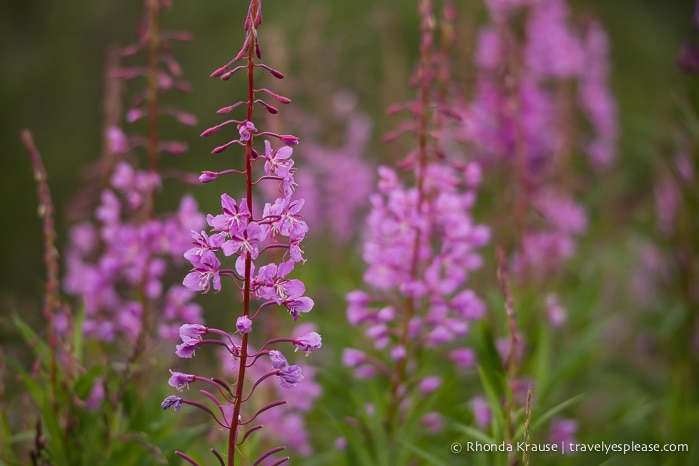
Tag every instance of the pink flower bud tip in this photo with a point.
(210, 131)
(219, 72)
(219, 149)
(207, 176)
(282, 99)
(289, 140)
(224, 110)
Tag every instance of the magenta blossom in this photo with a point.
(309, 342)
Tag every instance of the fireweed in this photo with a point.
(530, 93)
(247, 232)
(419, 248)
(117, 263)
(88, 401)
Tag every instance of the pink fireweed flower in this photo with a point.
(234, 217)
(555, 312)
(284, 217)
(429, 384)
(481, 412)
(180, 380)
(298, 305)
(245, 241)
(271, 282)
(203, 273)
(118, 142)
(432, 422)
(278, 162)
(246, 129)
(171, 400)
(203, 245)
(309, 342)
(464, 358)
(352, 357)
(243, 324)
(192, 331)
(289, 376)
(562, 431)
(262, 243)
(187, 347)
(136, 245)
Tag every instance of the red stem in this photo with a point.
(233, 432)
(153, 58)
(399, 372)
(52, 300)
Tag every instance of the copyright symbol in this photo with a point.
(456, 447)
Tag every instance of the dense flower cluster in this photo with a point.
(420, 245)
(398, 225)
(531, 90)
(117, 263)
(528, 119)
(112, 266)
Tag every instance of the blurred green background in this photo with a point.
(52, 67)
(52, 80)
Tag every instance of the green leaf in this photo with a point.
(32, 339)
(540, 420)
(433, 460)
(78, 334)
(474, 433)
(491, 382)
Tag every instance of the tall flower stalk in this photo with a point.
(248, 233)
(51, 295)
(419, 248)
(531, 88)
(117, 262)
